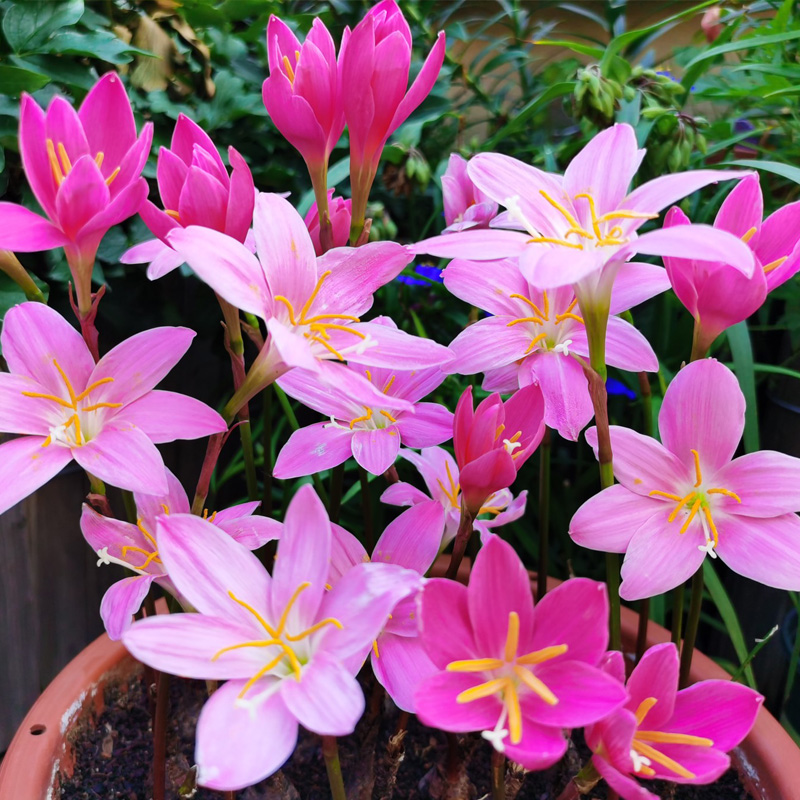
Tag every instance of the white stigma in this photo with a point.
(563, 347)
(334, 424)
(708, 547)
(499, 733)
(639, 761)
(511, 446)
(59, 434)
(515, 214)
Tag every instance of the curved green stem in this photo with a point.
(330, 752)
(677, 615)
(692, 623)
(246, 437)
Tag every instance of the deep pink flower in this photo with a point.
(85, 169)
(533, 334)
(411, 541)
(665, 734)
(494, 440)
(339, 214)
(440, 473)
(719, 295)
(372, 435)
(302, 94)
(684, 499)
(312, 306)
(375, 60)
(135, 546)
(465, 205)
(106, 416)
(196, 190)
(518, 675)
(577, 229)
(280, 642)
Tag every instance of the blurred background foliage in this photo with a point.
(534, 80)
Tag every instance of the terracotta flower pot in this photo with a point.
(768, 761)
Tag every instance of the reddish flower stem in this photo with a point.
(460, 542)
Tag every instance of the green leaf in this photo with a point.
(728, 613)
(576, 47)
(11, 294)
(776, 167)
(772, 370)
(30, 24)
(14, 81)
(742, 351)
(753, 653)
(102, 45)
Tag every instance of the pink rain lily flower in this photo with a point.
(687, 498)
(664, 734)
(85, 169)
(339, 215)
(718, 295)
(372, 435)
(106, 415)
(303, 94)
(517, 674)
(279, 641)
(375, 60)
(195, 189)
(312, 306)
(494, 440)
(439, 471)
(135, 546)
(465, 205)
(534, 334)
(577, 229)
(411, 541)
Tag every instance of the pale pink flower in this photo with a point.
(339, 215)
(465, 205)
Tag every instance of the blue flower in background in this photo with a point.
(613, 386)
(426, 271)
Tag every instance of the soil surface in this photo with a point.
(113, 757)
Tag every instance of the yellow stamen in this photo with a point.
(774, 264)
(318, 317)
(644, 708)
(288, 68)
(534, 320)
(490, 510)
(76, 424)
(98, 159)
(482, 690)
(388, 416)
(52, 397)
(271, 631)
(545, 654)
(71, 391)
(749, 235)
(262, 643)
(101, 405)
(512, 638)
(593, 211)
(546, 305)
(147, 535)
(568, 216)
(668, 495)
(172, 213)
(326, 346)
(150, 557)
(389, 384)
(475, 665)
(297, 592)
(689, 497)
(514, 713)
(368, 374)
(664, 737)
(707, 512)
(165, 507)
(622, 214)
(55, 167)
(697, 468)
(451, 495)
(500, 429)
(111, 177)
(549, 240)
(375, 648)
(645, 770)
(695, 508)
(533, 305)
(562, 317)
(260, 674)
(365, 418)
(62, 154)
(535, 341)
(304, 310)
(660, 758)
(536, 685)
(727, 493)
(92, 387)
(314, 628)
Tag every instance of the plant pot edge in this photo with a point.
(768, 760)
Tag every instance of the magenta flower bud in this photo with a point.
(339, 215)
(375, 60)
(465, 205)
(195, 189)
(494, 440)
(84, 168)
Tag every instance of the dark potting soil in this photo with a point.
(113, 756)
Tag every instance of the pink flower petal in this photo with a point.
(445, 623)
(257, 741)
(400, 667)
(656, 675)
(25, 465)
(241, 198)
(226, 265)
(742, 210)
(23, 231)
(429, 425)
(623, 785)
(540, 747)
(313, 449)
(294, 350)
(171, 172)
(185, 644)
(151, 506)
(499, 585)
(487, 344)
(376, 450)
(250, 531)
(33, 150)
(608, 520)
(423, 83)
(82, 195)
(187, 136)
(167, 416)
(107, 119)
(203, 201)
(206, 565)
(436, 704)
(467, 281)
(121, 601)
(636, 283)
(765, 550)
(659, 558)
(392, 349)
(346, 553)
(573, 614)
(412, 540)
(404, 494)
(547, 267)
(21, 414)
(480, 245)
(327, 699)
(63, 126)
(703, 409)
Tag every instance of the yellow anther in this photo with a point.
(482, 690)
(111, 177)
(568, 216)
(490, 510)
(52, 397)
(644, 708)
(101, 405)
(92, 387)
(389, 384)
(314, 628)
(475, 665)
(288, 69)
(660, 758)
(500, 429)
(565, 315)
(592, 210)
(536, 685)
(297, 592)
(147, 535)
(664, 737)
(304, 310)
(388, 416)
(534, 320)
(256, 643)
(727, 493)
(326, 346)
(622, 214)
(698, 473)
(535, 341)
(98, 159)
(368, 374)
(549, 240)
(271, 631)
(260, 674)
(514, 713)
(62, 154)
(688, 499)
(365, 418)
(668, 495)
(455, 488)
(55, 167)
(774, 264)
(545, 654)
(170, 212)
(66, 380)
(149, 556)
(375, 648)
(165, 507)
(695, 508)
(533, 305)
(749, 235)
(512, 637)
(709, 519)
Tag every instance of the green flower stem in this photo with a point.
(246, 437)
(130, 506)
(498, 776)
(582, 783)
(677, 615)
(266, 417)
(647, 430)
(545, 449)
(337, 481)
(213, 449)
(692, 623)
(330, 752)
(641, 631)
(366, 509)
(9, 264)
(97, 486)
(700, 343)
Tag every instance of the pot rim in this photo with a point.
(768, 760)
